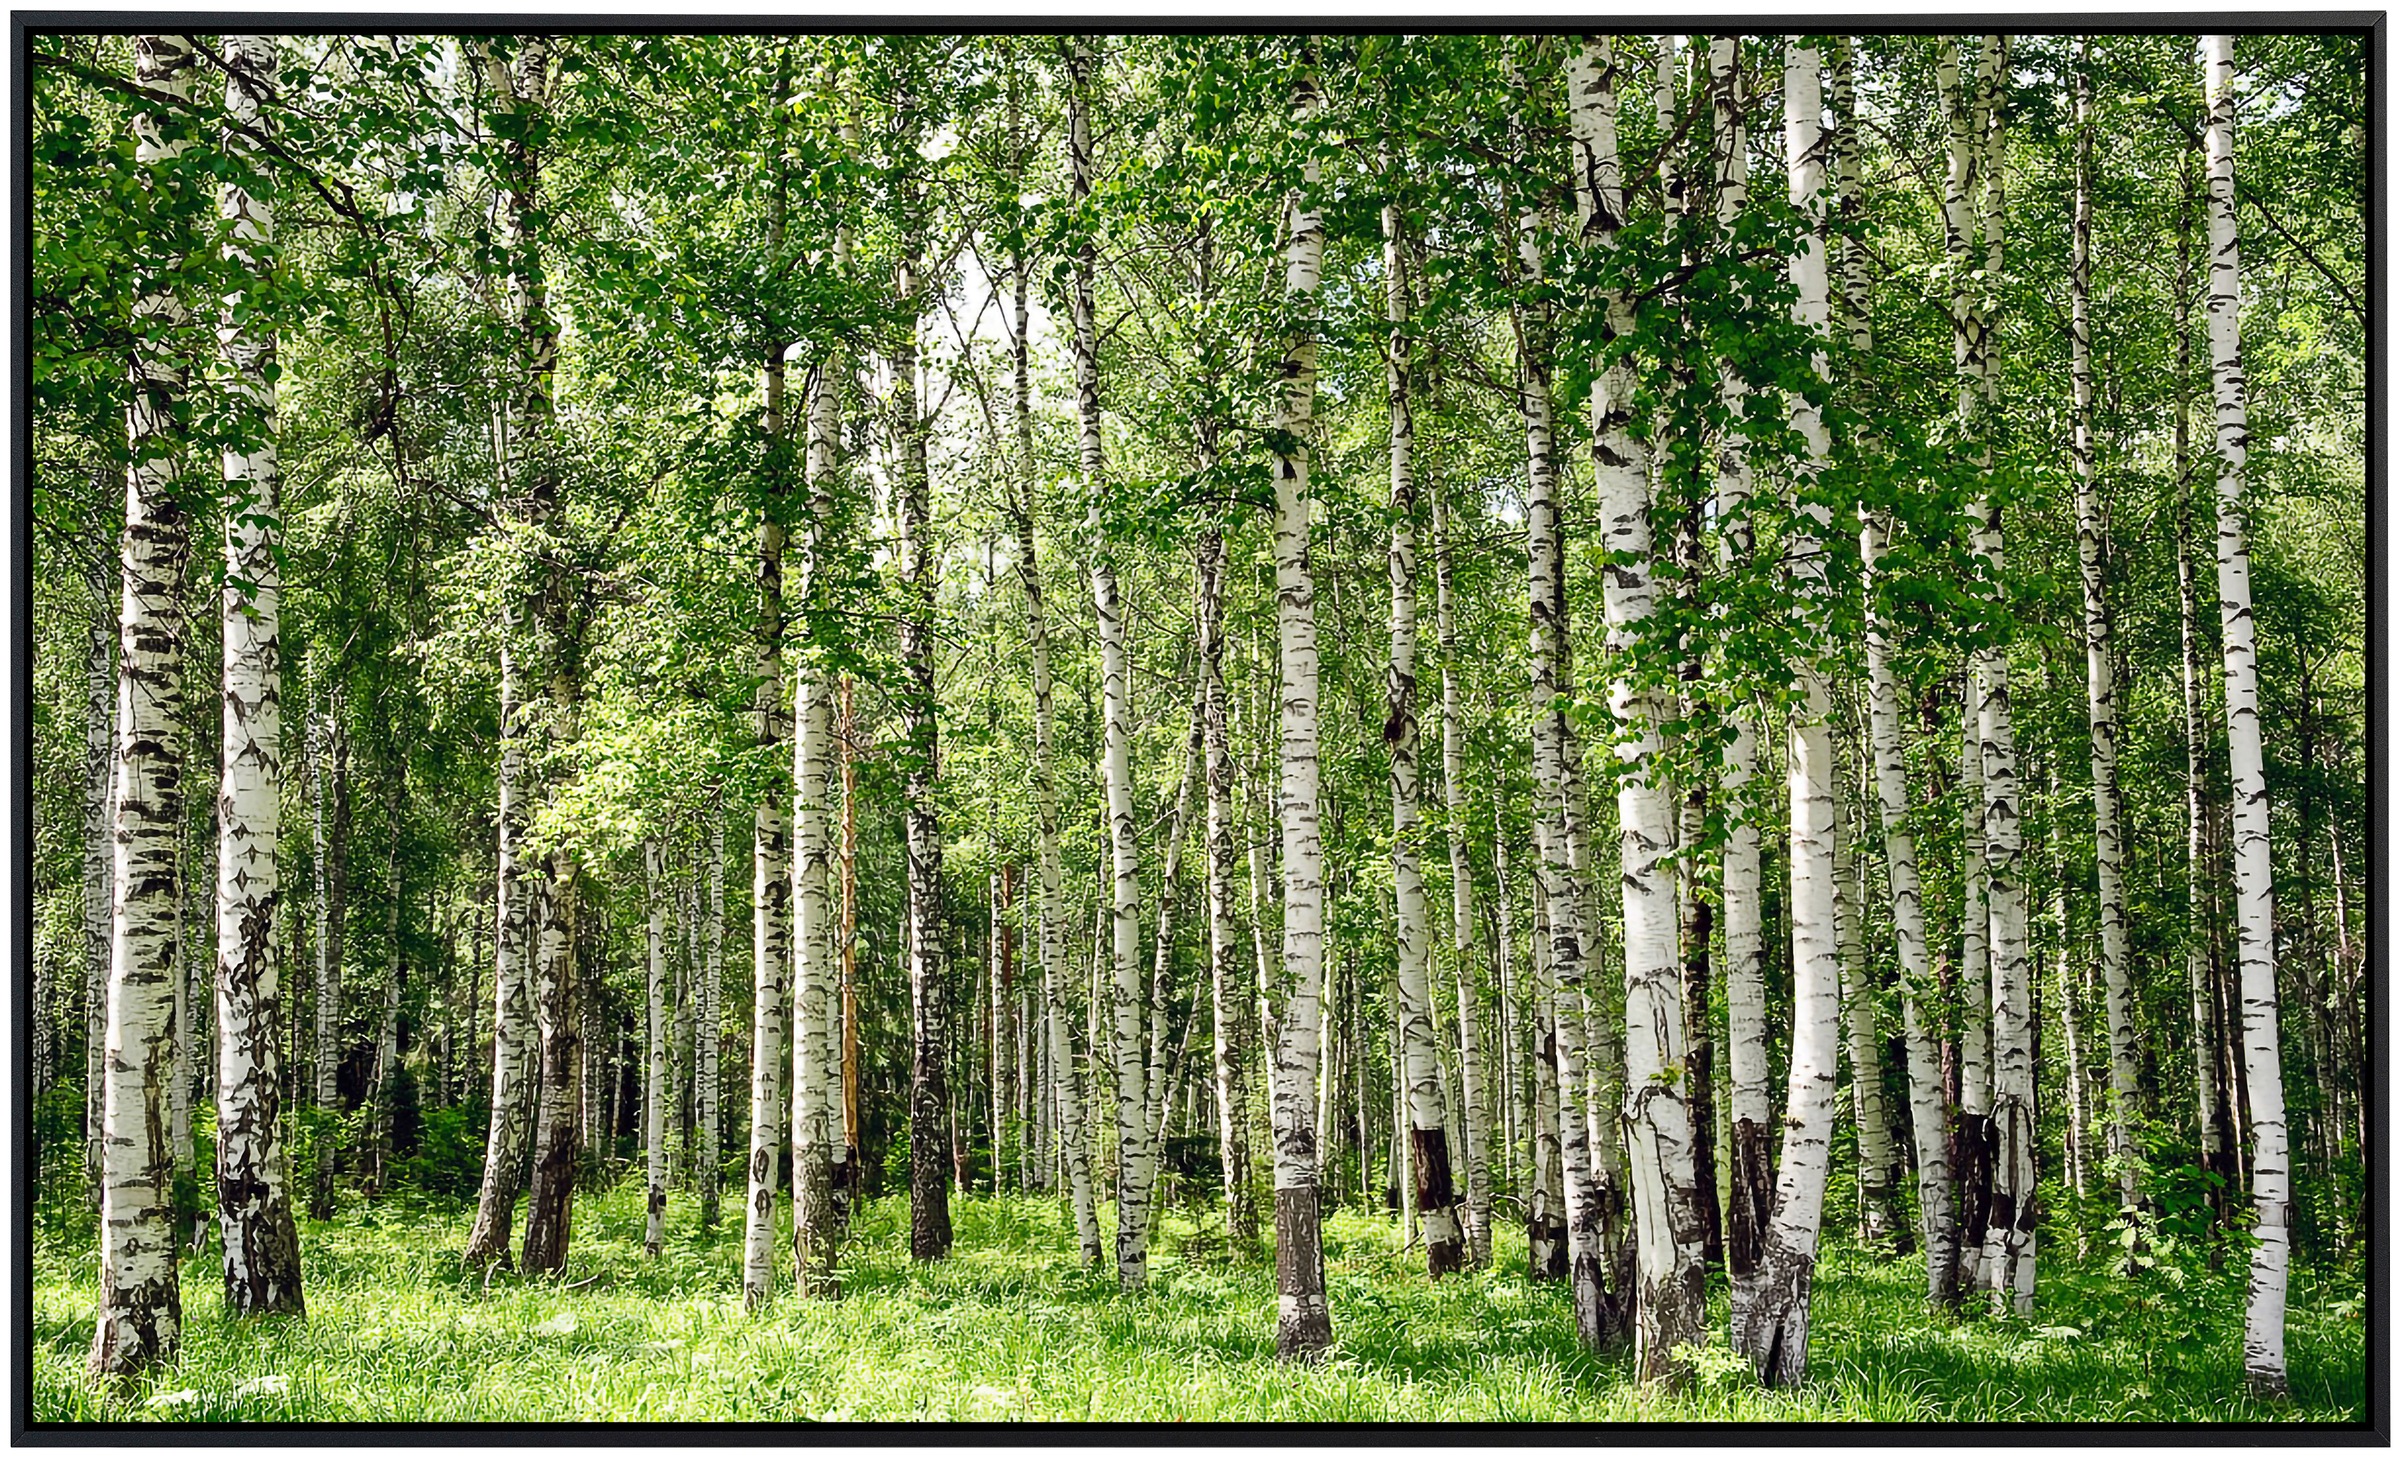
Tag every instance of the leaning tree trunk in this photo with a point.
(1136, 1161)
(141, 1305)
(2091, 540)
(771, 831)
(1050, 913)
(1429, 1148)
(2254, 889)
(1888, 759)
(254, 1198)
(1303, 1321)
(1773, 1332)
(1472, 1062)
(1671, 1227)
(654, 1060)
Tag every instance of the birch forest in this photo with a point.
(1209, 726)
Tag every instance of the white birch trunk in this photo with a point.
(654, 1060)
(140, 1315)
(707, 1023)
(1774, 1330)
(1880, 1221)
(1303, 1322)
(254, 1200)
(99, 867)
(1473, 1068)
(2091, 541)
(2254, 890)
(1230, 1000)
(1430, 1195)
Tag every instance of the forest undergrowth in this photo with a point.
(1008, 1329)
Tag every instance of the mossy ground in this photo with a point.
(1010, 1329)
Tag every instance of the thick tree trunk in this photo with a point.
(816, 1055)
(254, 1198)
(1773, 1332)
(140, 1316)
(2253, 870)
(1670, 1226)
(654, 1060)
(1473, 1065)
(1433, 1200)
(1303, 1322)
(2091, 541)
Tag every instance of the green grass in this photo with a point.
(1010, 1329)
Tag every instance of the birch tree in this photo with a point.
(2254, 889)
(1473, 1064)
(654, 1060)
(254, 1198)
(140, 1323)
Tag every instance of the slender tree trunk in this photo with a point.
(99, 867)
(708, 1035)
(1545, 1195)
(1230, 1000)
(929, 1095)
(329, 765)
(1050, 912)
(2091, 541)
(1434, 1203)
(2254, 919)
(1882, 1225)
(1473, 1064)
(654, 1044)
(770, 836)
(384, 1091)
(254, 1197)
(1773, 1333)
(1136, 1161)
(140, 1316)
(1304, 1322)
(516, 1056)
(1888, 757)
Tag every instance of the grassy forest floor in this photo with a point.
(1009, 1329)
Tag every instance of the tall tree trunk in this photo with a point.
(708, 1035)
(329, 766)
(1750, 1155)
(2009, 1232)
(1545, 1194)
(816, 1055)
(2199, 887)
(384, 1091)
(1671, 1229)
(1882, 1225)
(99, 863)
(1050, 911)
(929, 1096)
(516, 1055)
(2254, 919)
(254, 1197)
(770, 835)
(654, 1060)
(1230, 1000)
(1136, 1161)
(1434, 1202)
(1774, 1329)
(1304, 1321)
(1888, 758)
(1473, 1064)
(2091, 543)
(140, 1318)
